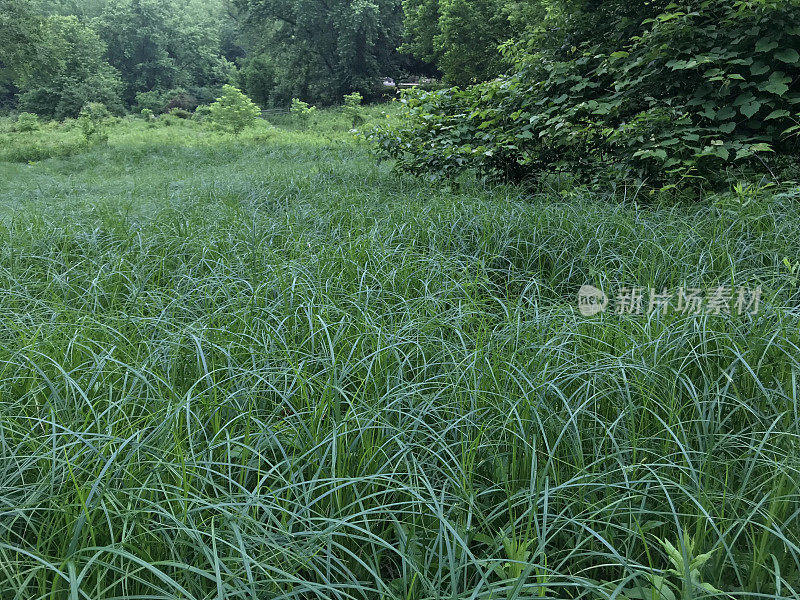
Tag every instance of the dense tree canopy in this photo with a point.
(319, 49)
(67, 71)
(20, 33)
(462, 37)
(160, 45)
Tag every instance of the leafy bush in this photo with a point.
(93, 121)
(160, 101)
(27, 122)
(202, 113)
(689, 95)
(152, 101)
(302, 112)
(233, 112)
(180, 99)
(352, 108)
(41, 148)
(180, 113)
(147, 114)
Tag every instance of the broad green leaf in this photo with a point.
(788, 55)
(749, 110)
(766, 44)
(778, 83)
(725, 113)
(777, 114)
(761, 147)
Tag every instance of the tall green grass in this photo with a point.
(270, 368)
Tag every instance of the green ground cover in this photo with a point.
(269, 367)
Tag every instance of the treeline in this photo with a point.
(64, 54)
(59, 55)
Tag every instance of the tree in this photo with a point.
(164, 45)
(319, 49)
(462, 37)
(68, 71)
(233, 111)
(20, 31)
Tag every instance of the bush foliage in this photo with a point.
(233, 111)
(688, 93)
(27, 122)
(302, 112)
(93, 122)
(352, 108)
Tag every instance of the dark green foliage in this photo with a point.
(152, 101)
(163, 45)
(180, 113)
(180, 99)
(20, 30)
(319, 49)
(462, 37)
(689, 94)
(258, 76)
(160, 101)
(68, 71)
(202, 113)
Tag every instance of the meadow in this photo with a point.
(270, 367)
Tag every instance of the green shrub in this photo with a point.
(233, 111)
(302, 112)
(352, 108)
(27, 122)
(180, 99)
(40, 149)
(180, 113)
(684, 98)
(93, 121)
(152, 101)
(202, 113)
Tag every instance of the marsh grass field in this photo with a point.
(269, 367)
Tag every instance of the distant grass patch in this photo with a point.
(50, 141)
(271, 368)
